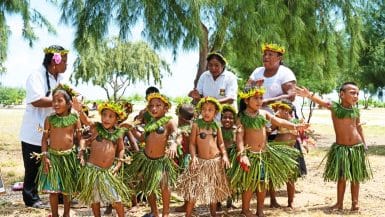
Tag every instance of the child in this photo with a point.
(185, 113)
(155, 163)
(205, 180)
(284, 109)
(228, 118)
(97, 180)
(346, 160)
(57, 173)
(144, 116)
(257, 162)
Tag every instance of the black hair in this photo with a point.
(47, 61)
(218, 56)
(151, 90)
(343, 86)
(186, 111)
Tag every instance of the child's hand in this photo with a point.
(193, 163)
(115, 170)
(171, 152)
(244, 160)
(47, 164)
(226, 161)
(303, 92)
(81, 158)
(302, 127)
(76, 104)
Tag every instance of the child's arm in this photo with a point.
(284, 123)
(361, 132)
(222, 148)
(120, 155)
(172, 138)
(304, 92)
(243, 159)
(132, 141)
(192, 145)
(82, 143)
(83, 117)
(44, 146)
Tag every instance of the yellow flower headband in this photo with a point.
(161, 97)
(54, 50)
(117, 108)
(67, 89)
(273, 47)
(208, 99)
(217, 54)
(228, 107)
(251, 92)
(280, 104)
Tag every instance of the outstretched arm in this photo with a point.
(304, 92)
(284, 123)
(83, 117)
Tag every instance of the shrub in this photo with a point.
(11, 95)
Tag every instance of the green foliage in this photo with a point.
(11, 95)
(114, 65)
(135, 98)
(181, 100)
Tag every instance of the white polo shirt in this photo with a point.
(224, 86)
(273, 85)
(36, 88)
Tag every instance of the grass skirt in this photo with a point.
(152, 173)
(100, 185)
(276, 164)
(62, 175)
(206, 184)
(348, 162)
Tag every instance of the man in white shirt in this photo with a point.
(38, 106)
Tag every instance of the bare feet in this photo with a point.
(355, 207)
(133, 208)
(291, 205)
(108, 210)
(274, 204)
(165, 214)
(248, 214)
(336, 207)
(260, 214)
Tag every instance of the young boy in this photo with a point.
(205, 180)
(97, 180)
(346, 160)
(257, 163)
(155, 163)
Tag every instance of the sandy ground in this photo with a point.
(313, 195)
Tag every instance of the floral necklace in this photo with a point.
(156, 125)
(105, 134)
(62, 121)
(342, 112)
(252, 121)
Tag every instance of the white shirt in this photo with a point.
(224, 86)
(36, 88)
(273, 85)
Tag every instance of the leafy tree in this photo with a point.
(114, 65)
(321, 33)
(29, 16)
(11, 95)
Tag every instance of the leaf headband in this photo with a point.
(117, 108)
(56, 53)
(273, 47)
(71, 92)
(280, 104)
(208, 99)
(162, 97)
(251, 92)
(228, 107)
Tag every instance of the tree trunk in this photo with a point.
(203, 51)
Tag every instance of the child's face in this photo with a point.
(109, 118)
(157, 108)
(59, 104)
(284, 113)
(208, 111)
(255, 102)
(349, 96)
(227, 119)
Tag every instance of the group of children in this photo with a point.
(203, 161)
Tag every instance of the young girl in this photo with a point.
(257, 162)
(57, 172)
(346, 159)
(205, 180)
(155, 164)
(283, 109)
(97, 180)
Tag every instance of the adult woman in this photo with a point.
(38, 107)
(217, 82)
(278, 80)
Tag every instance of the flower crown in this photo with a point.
(67, 89)
(280, 104)
(117, 108)
(161, 97)
(228, 107)
(217, 54)
(273, 47)
(249, 92)
(208, 99)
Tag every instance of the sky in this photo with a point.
(23, 60)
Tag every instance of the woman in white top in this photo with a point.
(38, 107)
